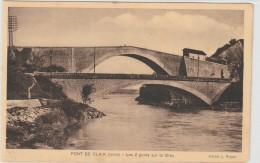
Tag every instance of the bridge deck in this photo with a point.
(65, 75)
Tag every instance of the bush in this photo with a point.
(17, 82)
(73, 109)
(54, 128)
(85, 93)
(50, 129)
(46, 89)
(17, 85)
(53, 68)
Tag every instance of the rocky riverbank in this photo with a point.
(47, 126)
(227, 106)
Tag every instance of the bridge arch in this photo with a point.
(180, 92)
(145, 57)
(184, 90)
(192, 91)
(153, 65)
(107, 86)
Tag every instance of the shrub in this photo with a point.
(53, 68)
(50, 128)
(85, 93)
(46, 89)
(73, 109)
(17, 85)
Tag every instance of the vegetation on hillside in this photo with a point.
(226, 47)
(49, 130)
(20, 62)
(47, 89)
(233, 52)
(53, 68)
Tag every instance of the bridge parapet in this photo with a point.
(128, 76)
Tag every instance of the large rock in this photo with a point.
(18, 116)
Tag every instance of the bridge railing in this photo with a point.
(65, 75)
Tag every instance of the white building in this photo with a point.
(194, 54)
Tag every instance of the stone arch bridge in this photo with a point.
(207, 90)
(77, 59)
(84, 58)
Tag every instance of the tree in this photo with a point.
(232, 41)
(23, 55)
(36, 62)
(86, 91)
(17, 81)
(53, 68)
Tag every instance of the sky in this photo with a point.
(158, 29)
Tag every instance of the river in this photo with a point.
(130, 126)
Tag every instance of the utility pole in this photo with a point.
(12, 26)
(51, 53)
(198, 66)
(72, 60)
(94, 60)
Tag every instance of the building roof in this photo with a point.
(187, 51)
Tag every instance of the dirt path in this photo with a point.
(29, 89)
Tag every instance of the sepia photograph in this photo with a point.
(127, 78)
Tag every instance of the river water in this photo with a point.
(130, 126)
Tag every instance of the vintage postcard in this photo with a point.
(126, 82)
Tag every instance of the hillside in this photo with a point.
(233, 53)
(40, 114)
